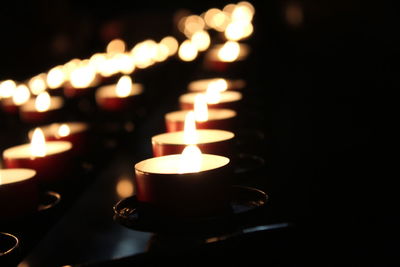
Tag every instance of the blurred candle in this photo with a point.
(203, 84)
(41, 109)
(120, 96)
(215, 99)
(51, 160)
(190, 184)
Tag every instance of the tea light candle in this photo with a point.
(227, 99)
(202, 85)
(220, 56)
(120, 96)
(75, 132)
(51, 160)
(217, 142)
(20, 96)
(18, 192)
(42, 109)
(187, 185)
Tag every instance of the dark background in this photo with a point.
(324, 69)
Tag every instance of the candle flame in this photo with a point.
(201, 40)
(7, 88)
(55, 77)
(187, 51)
(63, 130)
(83, 76)
(229, 52)
(116, 46)
(201, 108)
(124, 86)
(37, 84)
(190, 135)
(190, 160)
(38, 143)
(21, 95)
(42, 102)
(214, 89)
(171, 43)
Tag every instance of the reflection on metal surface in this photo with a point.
(124, 187)
(294, 14)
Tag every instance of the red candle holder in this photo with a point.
(52, 167)
(18, 192)
(29, 113)
(108, 100)
(9, 107)
(224, 119)
(165, 191)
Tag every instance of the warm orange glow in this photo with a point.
(144, 53)
(229, 52)
(116, 46)
(214, 89)
(56, 77)
(192, 24)
(82, 76)
(71, 66)
(201, 40)
(200, 108)
(190, 136)
(171, 43)
(238, 30)
(190, 160)
(37, 84)
(242, 13)
(38, 143)
(124, 86)
(216, 19)
(7, 88)
(42, 102)
(125, 63)
(21, 95)
(162, 53)
(63, 130)
(187, 51)
(125, 187)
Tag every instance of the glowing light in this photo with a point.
(162, 53)
(116, 46)
(7, 88)
(216, 19)
(187, 51)
(63, 130)
(192, 24)
(124, 86)
(214, 89)
(37, 84)
(82, 76)
(125, 187)
(38, 143)
(201, 40)
(42, 102)
(55, 77)
(238, 30)
(229, 52)
(125, 63)
(71, 66)
(21, 95)
(242, 13)
(190, 160)
(171, 43)
(190, 135)
(200, 108)
(144, 53)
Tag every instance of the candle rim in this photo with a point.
(6, 153)
(170, 116)
(189, 97)
(102, 91)
(212, 53)
(56, 102)
(29, 174)
(233, 84)
(230, 136)
(140, 168)
(82, 126)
